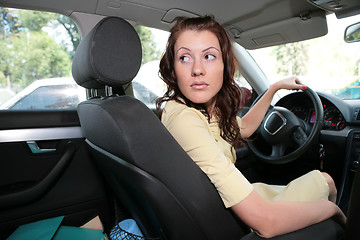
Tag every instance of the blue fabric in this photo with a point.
(75, 233)
(50, 229)
(40, 230)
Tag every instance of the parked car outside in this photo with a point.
(62, 93)
(47, 94)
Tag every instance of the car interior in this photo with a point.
(112, 157)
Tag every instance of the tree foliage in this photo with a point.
(27, 52)
(33, 45)
(72, 31)
(39, 57)
(149, 50)
(9, 24)
(36, 21)
(9, 29)
(292, 58)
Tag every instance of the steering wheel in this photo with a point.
(285, 133)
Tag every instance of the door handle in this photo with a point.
(34, 147)
(35, 192)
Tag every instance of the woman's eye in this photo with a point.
(210, 57)
(184, 58)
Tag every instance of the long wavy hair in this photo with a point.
(229, 99)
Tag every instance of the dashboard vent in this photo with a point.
(357, 115)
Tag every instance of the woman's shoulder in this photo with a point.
(178, 111)
(173, 105)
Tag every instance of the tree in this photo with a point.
(357, 68)
(72, 31)
(27, 52)
(149, 50)
(291, 58)
(33, 46)
(9, 24)
(38, 56)
(37, 21)
(5, 60)
(34, 21)
(9, 29)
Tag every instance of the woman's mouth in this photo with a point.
(199, 85)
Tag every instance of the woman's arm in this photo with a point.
(272, 218)
(251, 121)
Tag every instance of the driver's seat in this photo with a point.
(148, 172)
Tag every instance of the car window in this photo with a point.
(36, 51)
(326, 64)
(147, 85)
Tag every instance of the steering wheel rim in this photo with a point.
(281, 124)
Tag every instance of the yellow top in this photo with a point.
(216, 157)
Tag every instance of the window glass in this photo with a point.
(147, 85)
(36, 51)
(326, 64)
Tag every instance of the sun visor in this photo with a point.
(287, 31)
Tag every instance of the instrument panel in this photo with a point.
(303, 108)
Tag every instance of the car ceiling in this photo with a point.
(253, 24)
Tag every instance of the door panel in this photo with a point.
(20, 186)
(45, 171)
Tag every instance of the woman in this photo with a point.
(202, 103)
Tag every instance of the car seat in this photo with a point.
(148, 172)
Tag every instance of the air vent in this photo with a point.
(357, 114)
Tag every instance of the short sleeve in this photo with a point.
(238, 121)
(192, 131)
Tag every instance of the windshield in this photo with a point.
(326, 64)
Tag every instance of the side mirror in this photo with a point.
(352, 33)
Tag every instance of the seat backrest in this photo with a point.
(159, 184)
(352, 229)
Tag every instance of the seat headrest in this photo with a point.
(109, 55)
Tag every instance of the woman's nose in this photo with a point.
(198, 68)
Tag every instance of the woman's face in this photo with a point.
(199, 66)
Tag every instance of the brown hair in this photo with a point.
(229, 99)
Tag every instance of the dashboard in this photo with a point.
(337, 149)
(302, 107)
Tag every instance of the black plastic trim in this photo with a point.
(33, 193)
(33, 119)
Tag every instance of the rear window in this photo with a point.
(36, 52)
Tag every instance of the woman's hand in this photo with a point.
(291, 83)
(252, 120)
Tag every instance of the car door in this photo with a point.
(45, 169)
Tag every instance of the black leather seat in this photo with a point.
(163, 189)
(352, 230)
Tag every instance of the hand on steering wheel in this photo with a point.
(285, 132)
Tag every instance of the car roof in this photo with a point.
(253, 24)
